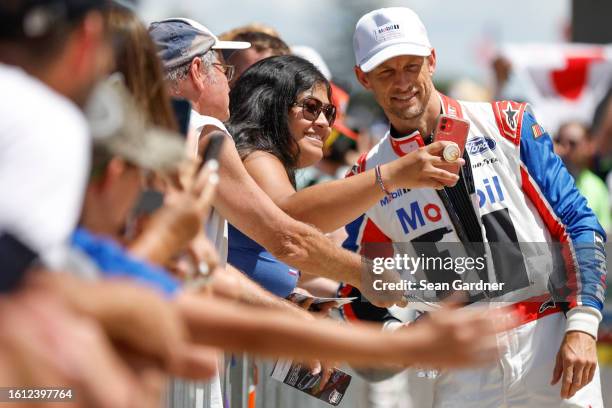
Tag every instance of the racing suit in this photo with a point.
(521, 193)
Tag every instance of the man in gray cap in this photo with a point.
(187, 50)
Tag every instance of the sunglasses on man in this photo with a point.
(227, 70)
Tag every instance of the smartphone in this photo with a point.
(182, 113)
(452, 129)
(213, 148)
(149, 201)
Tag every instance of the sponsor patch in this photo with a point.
(491, 192)
(479, 145)
(387, 32)
(485, 162)
(394, 194)
(416, 215)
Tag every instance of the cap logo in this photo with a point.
(387, 32)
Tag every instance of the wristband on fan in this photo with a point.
(379, 180)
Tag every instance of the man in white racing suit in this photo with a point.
(514, 192)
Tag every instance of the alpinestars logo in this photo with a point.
(511, 116)
(547, 305)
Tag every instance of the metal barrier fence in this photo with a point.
(238, 384)
(234, 391)
(182, 394)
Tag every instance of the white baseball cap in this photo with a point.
(386, 33)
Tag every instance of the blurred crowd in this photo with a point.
(145, 229)
(582, 136)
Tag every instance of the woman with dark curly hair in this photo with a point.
(280, 117)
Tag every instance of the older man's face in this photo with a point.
(215, 96)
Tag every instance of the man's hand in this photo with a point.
(44, 343)
(381, 298)
(325, 369)
(187, 202)
(196, 362)
(576, 363)
(195, 189)
(458, 338)
(131, 315)
(198, 259)
(319, 309)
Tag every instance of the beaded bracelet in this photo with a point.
(379, 180)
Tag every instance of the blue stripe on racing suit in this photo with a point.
(570, 210)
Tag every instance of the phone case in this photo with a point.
(453, 130)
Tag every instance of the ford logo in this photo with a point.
(479, 145)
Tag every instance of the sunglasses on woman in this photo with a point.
(312, 108)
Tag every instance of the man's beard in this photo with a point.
(417, 111)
